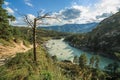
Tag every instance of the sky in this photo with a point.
(67, 11)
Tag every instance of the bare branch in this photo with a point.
(39, 13)
(46, 16)
(41, 17)
(30, 23)
(40, 22)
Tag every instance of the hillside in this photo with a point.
(11, 48)
(73, 28)
(21, 62)
(22, 67)
(105, 38)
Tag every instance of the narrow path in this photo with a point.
(8, 51)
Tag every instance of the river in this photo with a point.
(64, 51)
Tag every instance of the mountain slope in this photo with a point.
(22, 67)
(106, 37)
(74, 28)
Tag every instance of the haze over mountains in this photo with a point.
(105, 38)
(73, 28)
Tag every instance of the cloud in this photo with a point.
(70, 13)
(104, 15)
(79, 14)
(6, 3)
(31, 16)
(28, 2)
(74, 15)
(91, 13)
(20, 20)
(10, 11)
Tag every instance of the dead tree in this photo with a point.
(34, 24)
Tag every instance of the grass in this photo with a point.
(26, 43)
(4, 42)
(22, 67)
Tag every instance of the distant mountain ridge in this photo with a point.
(73, 28)
(104, 39)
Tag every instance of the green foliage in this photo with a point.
(26, 43)
(4, 43)
(76, 40)
(92, 60)
(112, 68)
(97, 61)
(113, 71)
(11, 17)
(41, 34)
(117, 55)
(104, 38)
(46, 75)
(16, 32)
(22, 67)
(83, 60)
(5, 28)
(98, 75)
(76, 59)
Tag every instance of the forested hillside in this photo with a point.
(22, 65)
(105, 38)
(73, 28)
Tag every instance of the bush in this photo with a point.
(4, 42)
(26, 43)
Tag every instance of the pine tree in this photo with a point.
(97, 61)
(5, 28)
(83, 60)
(92, 60)
(75, 60)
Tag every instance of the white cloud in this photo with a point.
(85, 14)
(6, 3)
(10, 11)
(30, 16)
(108, 6)
(90, 13)
(28, 2)
(18, 22)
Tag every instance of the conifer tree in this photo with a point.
(5, 28)
(83, 60)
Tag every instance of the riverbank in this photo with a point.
(63, 51)
(104, 54)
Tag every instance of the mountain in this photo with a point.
(104, 39)
(106, 36)
(74, 28)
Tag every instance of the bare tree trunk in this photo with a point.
(34, 40)
(34, 25)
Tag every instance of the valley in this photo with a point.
(63, 51)
(62, 41)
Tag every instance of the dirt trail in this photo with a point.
(8, 51)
